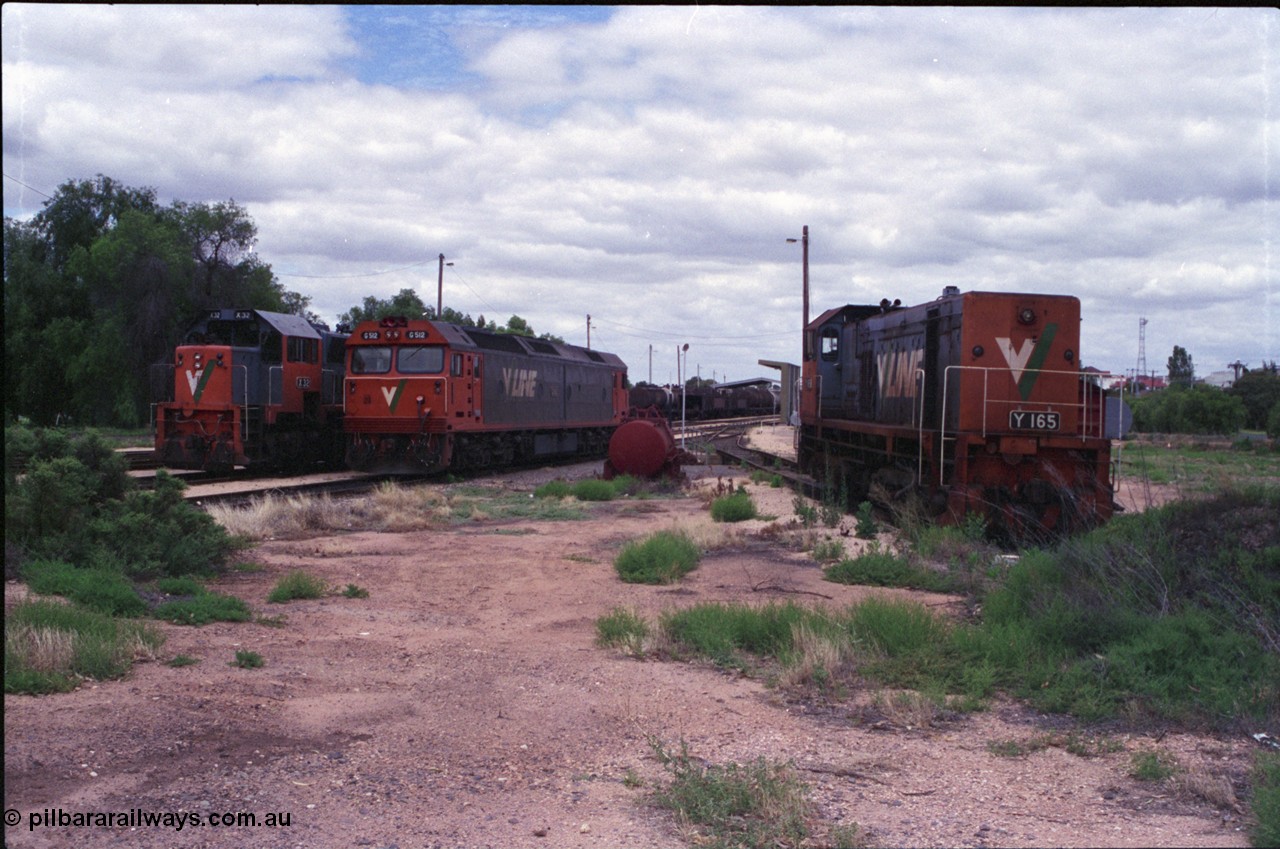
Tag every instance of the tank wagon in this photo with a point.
(422, 396)
(250, 388)
(975, 400)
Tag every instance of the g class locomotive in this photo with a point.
(422, 396)
(250, 388)
(976, 400)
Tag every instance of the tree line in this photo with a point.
(103, 281)
(1252, 402)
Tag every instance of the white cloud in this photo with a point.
(648, 168)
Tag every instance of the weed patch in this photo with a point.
(297, 585)
(50, 646)
(734, 507)
(880, 568)
(760, 804)
(103, 590)
(662, 558)
(203, 608)
(622, 629)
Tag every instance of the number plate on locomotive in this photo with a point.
(1033, 420)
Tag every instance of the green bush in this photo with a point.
(735, 507)
(880, 568)
(662, 558)
(246, 659)
(759, 804)
(297, 585)
(202, 609)
(1197, 409)
(1266, 800)
(867, 527)
(50, 646)
(721, 631)
(76, 503)
(554, 489)
(593, 490)
(623, 629)
(108, 592)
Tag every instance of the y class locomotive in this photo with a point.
(975, 400)
(422, 396)
(250, 388)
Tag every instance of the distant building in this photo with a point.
(1220, 379)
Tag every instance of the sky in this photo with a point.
(646, 166)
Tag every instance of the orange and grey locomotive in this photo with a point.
(422, 396)
(975, 400)
(251, 388)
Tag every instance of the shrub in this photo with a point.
(353, 591)
(103, 590)
(754, 805)
(720, 631)
(593, 490)
(297, 585)
(867, 526)
(1266, 800)
(246, 659)
(202, 609)
(662, 558)
(880, 568)
(623, 629)
(50, 646)
(735, 507)
(554, 489)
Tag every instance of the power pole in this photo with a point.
(1142, 354)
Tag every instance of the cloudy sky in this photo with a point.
(647, 165)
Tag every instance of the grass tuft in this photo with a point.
(49, 646)
(297, 585)
(662, 558)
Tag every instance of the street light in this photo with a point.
(440, 290)
(804, 334)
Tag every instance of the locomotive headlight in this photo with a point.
(1069, 355)
(1027, 315)
(978, 351)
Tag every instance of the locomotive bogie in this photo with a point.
(975, 401)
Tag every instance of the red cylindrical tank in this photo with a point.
(642, 447)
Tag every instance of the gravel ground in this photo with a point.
(464, 703)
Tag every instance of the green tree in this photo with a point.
(80, 211)
(404, 303)
(102, 282)
(1181, 370)
(1259, 391)
(1195, 410)
(221, 237)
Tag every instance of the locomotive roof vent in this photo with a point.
(950, 291)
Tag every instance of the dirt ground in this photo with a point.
(464, 703)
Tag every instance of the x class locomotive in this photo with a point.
(250, 388)
(976, 400)
(422, 396)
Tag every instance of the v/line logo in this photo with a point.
(1026, 362)
(520, 382)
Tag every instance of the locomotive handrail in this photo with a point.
(1085, 429)
(244, 410)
